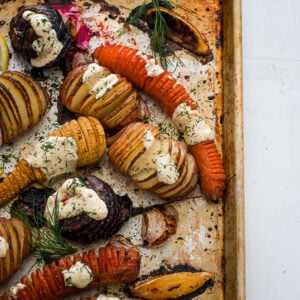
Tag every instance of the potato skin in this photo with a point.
(18, 237)
(23, 102)
(118, 107)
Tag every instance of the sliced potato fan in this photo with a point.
(16, 238)
(91, 90)
(161, 166)
(23, 101)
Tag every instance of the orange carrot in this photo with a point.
(48, 283)
(211, 171)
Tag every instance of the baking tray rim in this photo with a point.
(234, 216)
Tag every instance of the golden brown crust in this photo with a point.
(170, 286)
(17, 180)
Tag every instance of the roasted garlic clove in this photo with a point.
(157, 226)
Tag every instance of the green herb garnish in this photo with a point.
(158, 38)
(48, 243)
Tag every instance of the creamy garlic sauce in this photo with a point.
(195, 130)
(3, 247)
(74, 198)
(103, 297)
(79, 275)
(14, 289)
(104, 84)
(54, 155)
(166, 169)
(92, 69)
(154, 161)
(152, 68)
(46, 46)
(148, 139)
(146, 162)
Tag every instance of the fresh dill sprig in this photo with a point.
(50, 247)
(158, 38)
(48, 243)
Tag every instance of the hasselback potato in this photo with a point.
(161, 166)
(23, 101)
(77, 143)
(15, 244)
(92, 90)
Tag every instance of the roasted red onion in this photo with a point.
(39, 35)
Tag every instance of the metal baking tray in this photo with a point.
(210, 235)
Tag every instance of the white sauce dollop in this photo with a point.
(54, 155)
(103, 297)
(14, 289)
(46, 46)
(3, 247)
(195, 130)
(92, 69)
(166, 169)
(104, 84)
(152, 68)
(79, 275)
(74, 198)
(148, 139)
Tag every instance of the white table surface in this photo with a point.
(271, 44)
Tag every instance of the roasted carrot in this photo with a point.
(169, 94)
(106, 266)
(211, 172)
